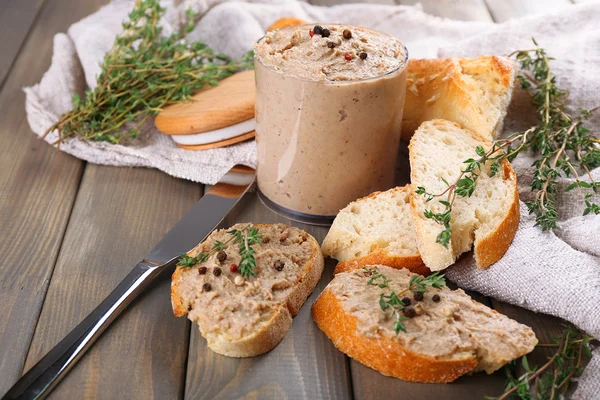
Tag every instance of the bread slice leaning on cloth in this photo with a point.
(444, 340)
(244, 317)
(376, 229)
(473, 92)
(488, 218)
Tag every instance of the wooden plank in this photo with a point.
(38, 186)
(304, 365)
(503, 10)
(119, 215)
(466, 10)
(16, 19)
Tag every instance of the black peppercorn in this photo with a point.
(202, 270)
(363, 56)
(409, 312)
(221, 256)
(318, 29)
(347, 34)
(207, 287)
(406, 301)
(217, 271)
(418, 296)
(189, 308)
(436, 298)
(325, 33)
(331, 45)
(279, 265)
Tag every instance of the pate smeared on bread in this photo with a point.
(244, 317)
(448, 336)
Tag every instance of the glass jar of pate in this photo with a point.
(329, 107)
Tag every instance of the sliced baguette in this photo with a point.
(377, 229)
(473, 92)
(446, 339)
(489, 218)
(251, 316)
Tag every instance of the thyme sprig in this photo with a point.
(140, 75)
(245, 238)
(392, 300)
(550, 381)
(561, 141)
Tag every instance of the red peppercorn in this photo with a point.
(311, 33)
(348, 56)
(233, 268)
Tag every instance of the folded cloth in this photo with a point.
(556, 273)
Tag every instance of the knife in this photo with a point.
(193, 228)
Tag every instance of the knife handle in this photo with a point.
(39, 381)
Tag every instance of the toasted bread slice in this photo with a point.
(488, 218)
(444, 340)
(377, 229)
(473, 92)
(244, 317)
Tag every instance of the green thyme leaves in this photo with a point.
(244, 238)
(142, 73)
(391, 302)
(563, 145)
(552, 380)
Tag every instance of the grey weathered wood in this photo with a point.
(37, 188)
(503, 10)
(304, 365)
(467, 10)
(119, 215)
(16, 19)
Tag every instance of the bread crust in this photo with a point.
(271, 333)
(492, 248)
(449, 88)
(383, 354)
(413, 263)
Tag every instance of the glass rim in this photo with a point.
(330, 82)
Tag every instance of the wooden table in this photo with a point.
(70, 231)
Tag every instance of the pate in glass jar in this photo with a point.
(329, 104)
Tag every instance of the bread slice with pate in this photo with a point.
(377, 229)
(473, 92)
(247, 316)
(447, 334)
(486, 221)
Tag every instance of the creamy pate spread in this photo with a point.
(328, 115)
(235, 306)
(455, 327)
(295, 52)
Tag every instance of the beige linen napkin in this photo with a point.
(556, 273)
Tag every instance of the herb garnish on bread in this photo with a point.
(377, 229)
(487, 218)
(473, 92)
(246, 316)
(445, 339)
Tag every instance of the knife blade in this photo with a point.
(193, 228)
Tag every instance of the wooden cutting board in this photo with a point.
(229, 103)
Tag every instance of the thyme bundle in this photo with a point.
(140, 75)
(393, 302)
(550, 381)
(244, 238)
(561, 141)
